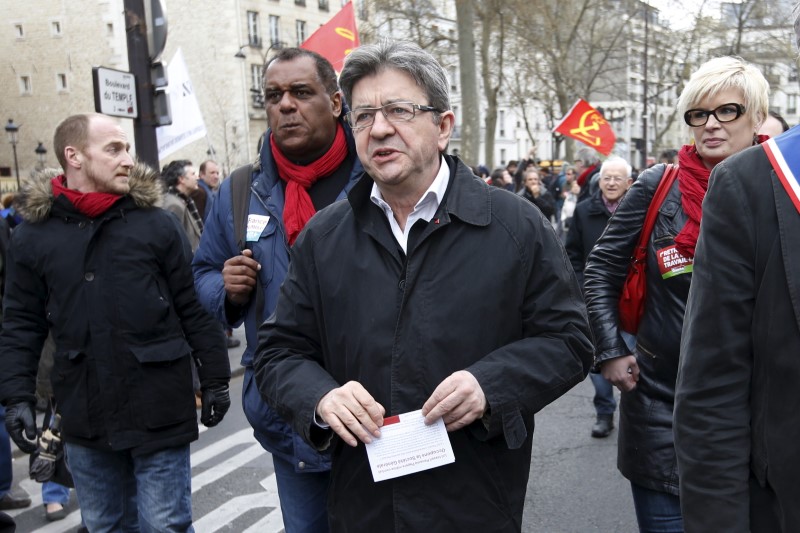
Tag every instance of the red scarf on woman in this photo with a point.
(693, 184)
(298, 208)
(91, 204)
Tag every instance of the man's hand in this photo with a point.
(352, 413)
(216, 401)
(239, 275)
(19, 418)
(459, 400)
(622, 372)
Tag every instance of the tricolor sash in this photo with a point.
(783, 152)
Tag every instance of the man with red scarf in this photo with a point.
(308, 161)
(95, 264)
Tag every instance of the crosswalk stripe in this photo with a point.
(229, 465)
(212, 450)
(235, 507)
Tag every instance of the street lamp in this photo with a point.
(12, 130)
(41, 155)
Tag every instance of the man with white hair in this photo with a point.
(588, 223)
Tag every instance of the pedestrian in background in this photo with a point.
(723, 104)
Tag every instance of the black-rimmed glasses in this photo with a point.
(364, 117)
(723, 113)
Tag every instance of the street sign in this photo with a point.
(114, 92)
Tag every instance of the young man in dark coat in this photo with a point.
(387, 309)
(95, 262)
(588, 222)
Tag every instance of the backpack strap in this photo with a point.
(240, 202)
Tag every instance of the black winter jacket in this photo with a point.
(646, 454)
(117, 293)
(486, 287)
(588, 222)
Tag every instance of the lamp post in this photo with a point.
(12, 130)
(41, 155)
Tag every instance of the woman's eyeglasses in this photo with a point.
(723, 113)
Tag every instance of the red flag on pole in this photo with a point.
(586, 125)
(336, 38)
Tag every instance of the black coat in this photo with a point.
(485, 287)
(737, 408)
(117, 293)
(545, 202)
(646, 454)
(588, 222)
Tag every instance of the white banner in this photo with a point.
(187, 122)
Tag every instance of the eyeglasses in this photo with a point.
(364, 117)
(615, 179)
(724, 113)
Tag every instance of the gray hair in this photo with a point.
(616, 160)
(372, 59)
(589, 156)
(723, 73)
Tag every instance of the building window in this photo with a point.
(256, 75)
(502, 119)
(791, 106)
(300, 3)
(61, 82)
(453, 79)
(793, 74)
(502, 156)
(252, 29)
(110, 29)
(19, 32)
(25, 86)
(275, 31)
(300, 26)
(323, 5)
(55, 27)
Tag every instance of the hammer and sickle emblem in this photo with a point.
(347, 34)
(589, 122)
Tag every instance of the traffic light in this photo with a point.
(156, 41)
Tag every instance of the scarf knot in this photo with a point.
(693, 184)
(298, 207)
(91, 204)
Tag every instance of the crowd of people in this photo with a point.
(345, 250)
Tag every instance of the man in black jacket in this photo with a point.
(588, 223)
(387, 310)
(95, 262)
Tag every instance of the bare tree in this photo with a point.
(470, 130)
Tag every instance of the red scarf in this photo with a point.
(91, 204)
(693, 184)
(298, 208)
(585, 174)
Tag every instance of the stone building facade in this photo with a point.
(48, 49)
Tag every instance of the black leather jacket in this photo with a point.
(646, 454)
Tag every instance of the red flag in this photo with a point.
(586, 125)
(336, 38)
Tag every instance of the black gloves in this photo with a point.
(216, 401)
(19, 418)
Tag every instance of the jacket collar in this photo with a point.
(467, 197)
(36, 202)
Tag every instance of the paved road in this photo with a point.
(574, 485)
